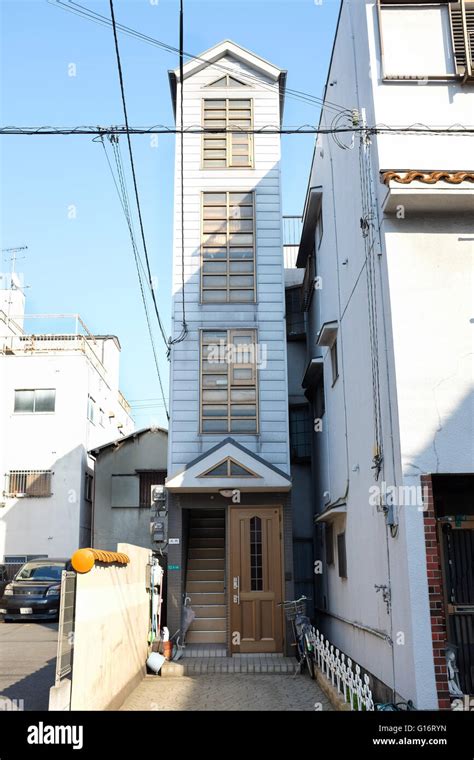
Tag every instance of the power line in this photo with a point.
(184, 327)
(132, 164)
(125, 206)
(305, 129)
(123, 197)
(87, 13)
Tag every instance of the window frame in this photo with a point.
(228, 137)
(341, 554)
(91, 402)
(334, 361)
(385, 77)
(329, 543)
(228, 247)
(47, 476)
(34, 391)
(290, 300)
(307, 443)
(231, 383)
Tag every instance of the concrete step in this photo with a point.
(205, 575)
(206, 637)
(207, 598)
(208, 552)
(193, 587)
(207, 624)
(209, 610)
(206, 563)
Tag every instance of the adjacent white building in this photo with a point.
(387, 247)
(59, 397)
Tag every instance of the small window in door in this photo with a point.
(256, 564)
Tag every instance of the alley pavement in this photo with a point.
(237, 691)
(27, 664)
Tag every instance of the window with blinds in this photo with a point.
(231, 147)
(462, 28)
(227, 248)
(229, 382)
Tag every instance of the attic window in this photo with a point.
(227, 81)
(228, 468)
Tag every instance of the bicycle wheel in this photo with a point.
(308, 654)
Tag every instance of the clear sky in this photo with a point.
(85, 264)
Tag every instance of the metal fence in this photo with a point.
(67, 606)
(338, 669)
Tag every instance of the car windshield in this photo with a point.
(38, 571)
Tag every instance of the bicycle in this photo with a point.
(303, 633)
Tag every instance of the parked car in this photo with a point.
(3, 579)
(35, 590)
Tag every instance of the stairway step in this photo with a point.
(205, 575)
(207, 552)
(204, 611)
(208, 624)
(206, 563)
(206, 598)
(206, 542)
(206, 637)
(211, 532)
(193, 587)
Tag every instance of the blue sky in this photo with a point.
(85, 264)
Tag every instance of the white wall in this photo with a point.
(266, 314)
(58, 441)
(424, 293)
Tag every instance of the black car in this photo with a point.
(35, 590)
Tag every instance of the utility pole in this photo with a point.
(13, 258)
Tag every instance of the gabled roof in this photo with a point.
(195, 476)
(214, 54)
(127, 438)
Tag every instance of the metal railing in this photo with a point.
(338, 669)
(292, 226)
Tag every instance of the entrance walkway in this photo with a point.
(228, 692)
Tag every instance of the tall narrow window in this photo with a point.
(256, 562)
(334, 362)
(228, 248)
(231, 147)
(228, 381)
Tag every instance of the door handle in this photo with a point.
(236, 587)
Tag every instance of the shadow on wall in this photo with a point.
(54, 525)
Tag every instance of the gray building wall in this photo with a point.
(112, 525)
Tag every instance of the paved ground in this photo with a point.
(27, 663)
(228, 692)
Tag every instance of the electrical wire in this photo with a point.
(89, 14)
(134, 178)
(305, 129)
(120, 186)
(184, 328)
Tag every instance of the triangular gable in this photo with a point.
(227, 81)
(228, 468)
(229, 465)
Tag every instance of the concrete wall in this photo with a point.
(147, 451)
(111, 629)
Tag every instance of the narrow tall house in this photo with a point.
(228, 464)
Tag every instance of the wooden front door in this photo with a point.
(256, 583)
